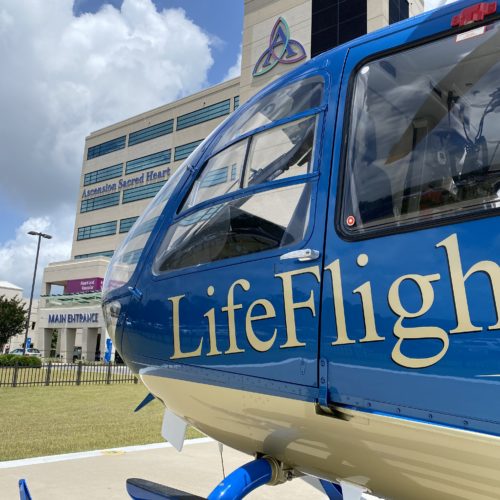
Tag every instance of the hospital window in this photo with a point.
(141, 192)
(103, 174)
(106, 147)
(148, 133)
(96, 230)
(398, 10)
(149, 161)
(205, 114)
(185, 150)
(424, 140)
(126, 224)
(105, 253)
(108, 200)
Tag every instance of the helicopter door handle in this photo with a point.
(301, 255)
(135, 292)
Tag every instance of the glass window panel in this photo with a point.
(182, 152)
(96, 230)
(126, 224)
(351, 29)
(141, 192)
(263, 221)
(424, 136)
(108, 200)
(105, 253)
(220, 175)
(281, 152)
(149, 161)
(127, 255)
(103, 174)
(148, 133)
(205, 114)
(106, 147)
(352, 8)
(286, 101)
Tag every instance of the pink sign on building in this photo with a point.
(84, 285)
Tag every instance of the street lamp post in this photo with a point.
(40, 236)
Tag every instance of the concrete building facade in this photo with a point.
(127, 163)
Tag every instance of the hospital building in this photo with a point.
(127, 163)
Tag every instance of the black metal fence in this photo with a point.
(65, 374)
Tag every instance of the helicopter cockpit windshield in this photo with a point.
(125, 259)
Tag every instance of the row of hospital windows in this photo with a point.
(216, 177)
(104, 229)
(104, 253)
(138, 164)
(128, 196)
(167, 127)
(109, 229)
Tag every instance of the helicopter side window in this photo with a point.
(221, 175)
(276, 153)
(260, 213)
(263, 221)
(281, 152)
(424, 134)
(286, 101)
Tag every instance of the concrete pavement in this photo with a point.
(102, 476)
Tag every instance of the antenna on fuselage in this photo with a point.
(221, 449)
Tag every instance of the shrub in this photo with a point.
(13, 359)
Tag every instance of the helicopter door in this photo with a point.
(234, 285)
(411, 297)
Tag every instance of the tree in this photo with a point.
(13, 317)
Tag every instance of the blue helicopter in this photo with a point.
(318, 284)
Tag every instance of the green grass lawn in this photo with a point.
(38, 421)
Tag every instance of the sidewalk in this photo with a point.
(102, 475)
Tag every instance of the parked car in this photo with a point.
(31, 351)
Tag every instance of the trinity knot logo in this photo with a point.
(282, 49)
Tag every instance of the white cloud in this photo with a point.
(235, 70)
(65, 76)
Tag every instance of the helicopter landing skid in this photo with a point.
(140, 489)
(237, 485)
(240, 483)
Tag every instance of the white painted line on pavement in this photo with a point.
(96, 453)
